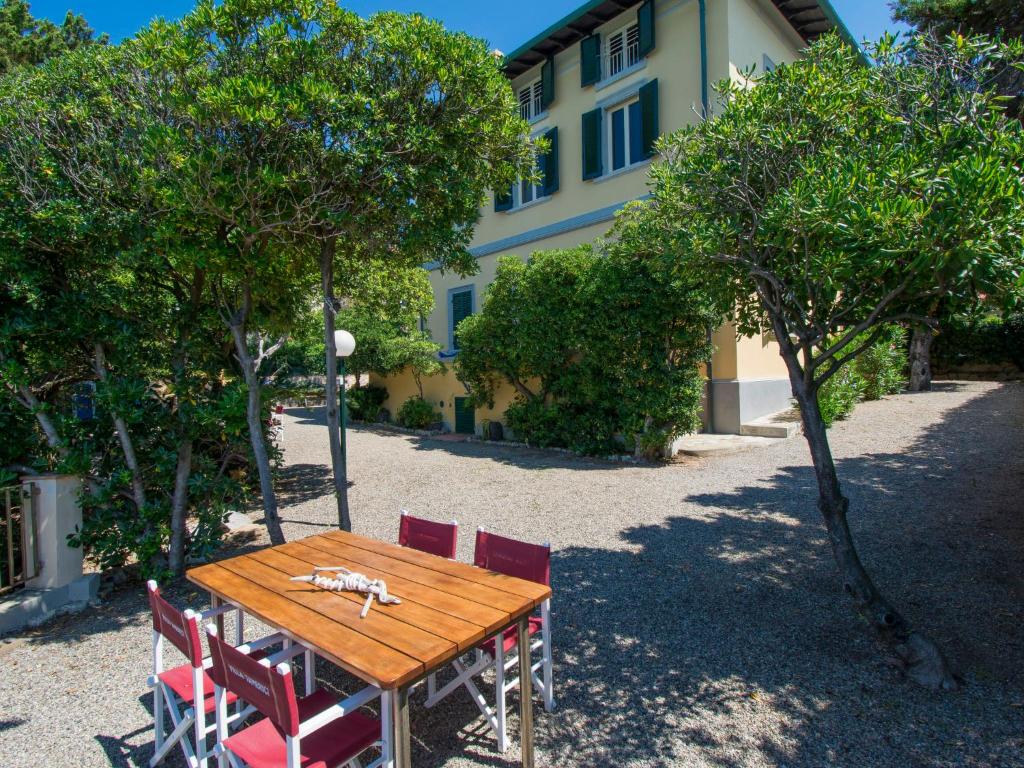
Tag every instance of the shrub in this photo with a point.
(986, 340)
(364, 403)
(417, 413)
(597, 381)
(882, 366)
(840, 394)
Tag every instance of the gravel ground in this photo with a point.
(697, 616)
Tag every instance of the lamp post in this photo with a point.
(344, 345)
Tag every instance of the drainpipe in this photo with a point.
(702, 6)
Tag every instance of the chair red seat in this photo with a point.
(536, 624)
(179, 680)
(263, 745)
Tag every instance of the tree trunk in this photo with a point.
(254, 414)
(338, 464)
(919, 657)
(179, 507)
(123, 434)
(920, 359)
(183, 469)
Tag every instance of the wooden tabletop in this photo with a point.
(447, 607)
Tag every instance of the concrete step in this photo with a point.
(704, 444)
(782, 425)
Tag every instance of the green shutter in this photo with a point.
(461, 308)
(547, 82)
(645, 21)
(549, 163)
(649, 117)
(592, 166)
(590, 60)
(503, 200)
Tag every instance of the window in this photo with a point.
(524, 191)
(620, 132)
(625, 135)
(531, 100)
(530, 191)
(460, 306)
(622, 49)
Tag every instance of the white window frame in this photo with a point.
(621, 36)
(608, 138)
(537, 188)
(532, 106)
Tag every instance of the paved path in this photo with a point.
(698, 620)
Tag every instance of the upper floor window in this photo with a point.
(525, 191)
(607, 55)
(622, 49)
(625, 135)
(531, 100)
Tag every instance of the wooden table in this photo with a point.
(447, 609)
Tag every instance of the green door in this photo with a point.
(465, 417)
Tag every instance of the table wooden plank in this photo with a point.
(378, 624)
(536, 592)
(465, 634)
(488, 617)
(362, 656)
(468, 590)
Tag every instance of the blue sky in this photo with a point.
(492, 21)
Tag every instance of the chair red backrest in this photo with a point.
(181, 630)
(428, 536)
(513, 557)
(270, 691)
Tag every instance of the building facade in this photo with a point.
(601, 85)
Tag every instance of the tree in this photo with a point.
(102, 283)
(1004, 18)
(384, 307)
(416, 124)
(602, 346)
(26, 40)
(833, 199)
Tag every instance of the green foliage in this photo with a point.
(603, 347)
(26, 40)
(417, 413)
(878, 371)
(1003, 18)
(840, 394)
(364, 403)
(834, 199)
(984, 339)
(984, 17)
(882, 366)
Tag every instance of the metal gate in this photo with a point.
(19, 555)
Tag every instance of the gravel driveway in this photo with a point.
(698, 620)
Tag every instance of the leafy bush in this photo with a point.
(986, 340)
(882, 366)
(417, 413)
(364, 403)
(603, 345)
(877, 371)
(114, 532)
(840, 394)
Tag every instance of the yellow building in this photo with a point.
(601, 84)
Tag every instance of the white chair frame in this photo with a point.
(541, 672)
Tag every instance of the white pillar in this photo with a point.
(57, 514)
